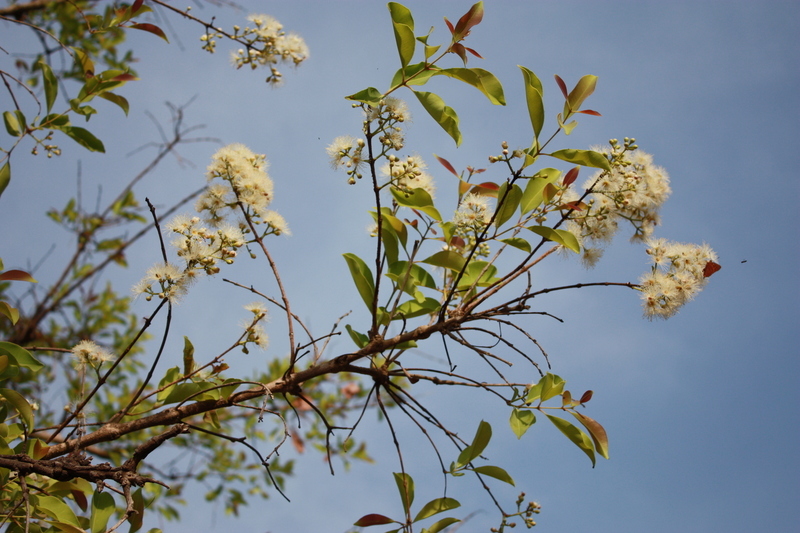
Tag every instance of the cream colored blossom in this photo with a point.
(89, 353)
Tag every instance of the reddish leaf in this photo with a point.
(16, 275)
(373, 520)
(459, 50)
(586, 396)
(297, 442)
(471, 18)
(473, 52)
(449, 25)
(124, 77)
(710, 268)
(446, 164)
(80, 499)
(571, 176)
(136, 5)
(490, 185)
(458, 242)
(562, 86)
(590, 112)
(151, 28)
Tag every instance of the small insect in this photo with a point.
(744, 261)
(710, 268)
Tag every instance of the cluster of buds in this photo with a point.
(506, 154)
(388, 116)
(346, 152)
(409, 174)
(266, 44)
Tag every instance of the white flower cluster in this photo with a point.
(679, 272)
(88, 353)
(409, 174)
(254, 331)
(387, 117)
(346, 152)
(268, 45)
(471, 217)
(238, 181)
(634, 190)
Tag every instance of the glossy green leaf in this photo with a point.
(137, 518)
(518, 242)
(478, 273)
(406, 487)
(50, 85)
(587, 158)
(370, 96)
(408, 278)
(434, 507)
(578, 437)
(596, 431)
(21, 405)
(103, 507)
(21, 356)
(447, 259)
(171, 376)
(533, 195)
(483, 80)
(418, 199)
(15, 122)
(508, 199)
(5, 176)
(444, 115)
(521, 420)
(534, 97)
(84, 138)
(552, 386)
(362, 277)
(403, 24)
(561, 236)
(495, 472)
(83, 62)
(359, 339)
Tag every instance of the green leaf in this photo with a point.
(434, 507)
(561, 236)
(103, 507)
(21, 405)
(581, 92)
(5, 177)
(482, 437)
(597, 432)
(534, 96)
(21, 356)
(406, 487)
(533, 195)
(188, 356)
(116, 99)
(441, 525)
(84, 138)
(172, 375)
(403, 24)
(370, 96)
(413, 308)
(15, 122)
(552, 386)
(10, 312)
(521, 421)
(50, 85)
(485, 270)
(359, 339)
(362, 277)
(416, 74)
(518, 242)
(495, 472)
(418, 199)
(507, 202)
(447, 259)
(137, 518)
(55, 508)
(445, 116)
(587, 158)
(578, 437)
(483, 80)
(84, 63)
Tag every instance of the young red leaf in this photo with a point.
(562, 86)
(571, 176)
(446, 164)
(151, 28)
(459, 50)
(135, 6)
(473, 52)
(449, 26)
(471, 18)
(590, 112)
(586, 396)
(16, 275)
(710, 268)
(373, 520)
(575, 206)
(124, 77)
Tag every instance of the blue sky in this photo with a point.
(701, 410)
